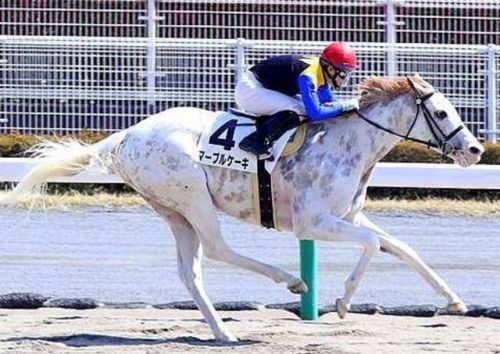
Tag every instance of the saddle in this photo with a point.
(241, 113)
(294, 143)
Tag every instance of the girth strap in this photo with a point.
(265, 196)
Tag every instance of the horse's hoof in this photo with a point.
(457, 308)
(342, 308)
(298, 287)
(225, 337)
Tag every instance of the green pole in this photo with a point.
(309, 274)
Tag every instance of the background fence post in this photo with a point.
(240, 58)
(491, 124)
(151, 19)
(390, 31)
(309, 274)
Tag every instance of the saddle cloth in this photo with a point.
(218, 144)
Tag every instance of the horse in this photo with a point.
(319, 191)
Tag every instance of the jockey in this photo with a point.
(271, 87)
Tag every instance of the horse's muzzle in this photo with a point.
(469, 155)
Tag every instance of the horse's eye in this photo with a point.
(441, 114)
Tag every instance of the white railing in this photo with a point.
(403, 175)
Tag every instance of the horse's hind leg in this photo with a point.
(401, 250)
(203, 218)
(189, 255)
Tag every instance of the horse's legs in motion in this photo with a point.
(401, 250)
(328, 227)
(189, 255)
(204, 219)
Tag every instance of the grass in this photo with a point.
(441, 205)
(130, 200)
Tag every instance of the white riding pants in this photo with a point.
(252, 97)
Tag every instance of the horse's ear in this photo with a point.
(419, 83)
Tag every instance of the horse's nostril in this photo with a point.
(474, 150)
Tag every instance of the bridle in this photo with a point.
(440, 137)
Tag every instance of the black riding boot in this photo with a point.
(271, 129)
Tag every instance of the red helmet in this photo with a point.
(340, 55)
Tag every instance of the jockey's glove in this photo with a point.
(350, 105)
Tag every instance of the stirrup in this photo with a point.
(269, 144)
(268, 157)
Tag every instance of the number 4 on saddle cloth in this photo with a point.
(218, 144)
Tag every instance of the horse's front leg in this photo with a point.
(328, 227)
(401, 250)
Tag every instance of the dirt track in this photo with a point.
(53, 330)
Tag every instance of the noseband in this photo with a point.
(440, 137)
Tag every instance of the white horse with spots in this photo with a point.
(319, 192)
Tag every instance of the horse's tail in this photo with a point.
(63, 159)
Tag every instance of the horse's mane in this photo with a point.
(377, 89)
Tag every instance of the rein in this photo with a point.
(442, 143)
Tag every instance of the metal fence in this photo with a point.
(66, 65)
(95, 18)
(410, 21)
(403, 21)
(66, 84)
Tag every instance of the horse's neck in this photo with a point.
(355, 136)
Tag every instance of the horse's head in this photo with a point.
(441, 124)
(433, 120)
